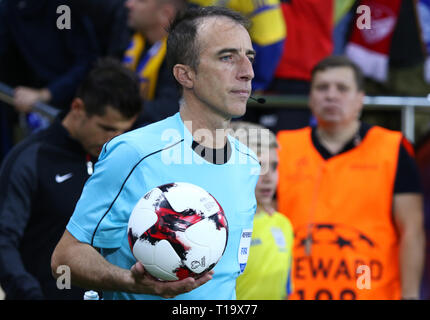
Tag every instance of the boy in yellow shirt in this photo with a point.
(267, 273)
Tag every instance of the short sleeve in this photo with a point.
(102, 212)
(407, 175)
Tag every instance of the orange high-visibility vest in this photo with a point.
(346, 245)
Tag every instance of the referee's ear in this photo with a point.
(184, 75)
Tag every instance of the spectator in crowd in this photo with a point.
(51, 62)
(268, 272)
(353, 195)
(210, 53)
(43, 63)
(109, 18)
(146, 55)
(42, 178)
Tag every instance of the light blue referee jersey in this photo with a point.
(132, 164)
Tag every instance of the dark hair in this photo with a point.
(109, 83)
(340, 61)
(182, 46)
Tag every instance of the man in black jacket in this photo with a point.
(42, 178)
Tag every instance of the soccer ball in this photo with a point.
(177, 230)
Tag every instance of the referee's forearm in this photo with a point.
(88, 269)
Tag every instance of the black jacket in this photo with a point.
(35, 53)
(41, 180)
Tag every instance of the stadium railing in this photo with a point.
(407, 106)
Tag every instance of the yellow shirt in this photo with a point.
(267, 273)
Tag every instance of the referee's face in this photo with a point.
(222, 81)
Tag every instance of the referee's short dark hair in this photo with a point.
(182, 44)
(109, 83)
(340, 61)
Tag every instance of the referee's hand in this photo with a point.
(147, 284)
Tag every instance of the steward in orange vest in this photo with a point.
(352, 193)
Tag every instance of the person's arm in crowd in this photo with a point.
(408, 217)
(81, 45)
(90, 270)
(18, 180)
(24, 97)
